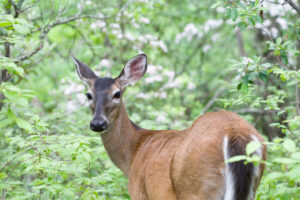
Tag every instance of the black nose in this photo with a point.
(98, 125)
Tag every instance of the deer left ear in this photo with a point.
(133, 70)
(84, 72)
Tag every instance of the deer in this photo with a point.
(182, 164)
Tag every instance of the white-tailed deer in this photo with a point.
(172, 164)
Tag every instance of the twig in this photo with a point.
(3, 194)
(15, 7)
(85, 40)
(32, 53)
(252, 111)
(49, 27)
(14, 157)
(294, 6)
(32, 5)
(212, 100)
(21, 161)
(240, 42)
(297, 99)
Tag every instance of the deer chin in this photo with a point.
(102, 132)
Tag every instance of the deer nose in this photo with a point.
(98, 125)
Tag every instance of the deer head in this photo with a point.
(105, 94)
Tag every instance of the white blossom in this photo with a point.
(105, 63)
(206, 47)
(153, 79)
(160, 118)
(72, 87)
(282, 22)
(159, 44)
(247, 60)
(154, 69)
(88, 2)
(143, 96)
(97, 24)
(162, 95)
(211, 24)
(191, 86)
(215, 37)
(189, 32)
(169, 74)
(172, 84)
(144, 20)
(220, 9)
(274, 32)
(115, 26)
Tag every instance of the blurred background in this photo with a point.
(203, 56)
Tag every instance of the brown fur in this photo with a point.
(169, 164)
(172, 164)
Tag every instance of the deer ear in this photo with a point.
(133, 70)
(83, 71)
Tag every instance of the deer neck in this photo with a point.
(121, 140)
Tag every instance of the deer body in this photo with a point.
(170, 164)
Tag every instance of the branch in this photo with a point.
(20, 162)
(85, 40)
(3, 194)
(293, 5)
(240, 42)
(253, 111)
(64, 21)
(189, 59)
(14, 158)
(212, 100)
(32, 5)
(33, 52)
(297, 99)
(49, 27)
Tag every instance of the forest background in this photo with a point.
(203, 56)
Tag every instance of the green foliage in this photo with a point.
(203, 56)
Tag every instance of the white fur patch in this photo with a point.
(257, 152)
(115, 100)
(82, 78)
(256, 168)
(229, 180)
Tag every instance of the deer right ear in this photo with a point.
(133, 70)
(84, 72)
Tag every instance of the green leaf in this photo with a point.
(21, 29)
(5, 122)
(234, 14)
(289, 145)
(239, 86)
(282, 78)
(23, 124)
(251, 21)
(294, 172)
(263, 76)
(3, 175)
(278, 40)
(252, 147)
(5, 23)
(245, 87)
(274, 176)
(283, 55)
(296, 155)
(285, 160)
(258, 18)
(284, 59)
(236, 159)
(228, 12)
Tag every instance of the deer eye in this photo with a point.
(117, 95)
(89, 96)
